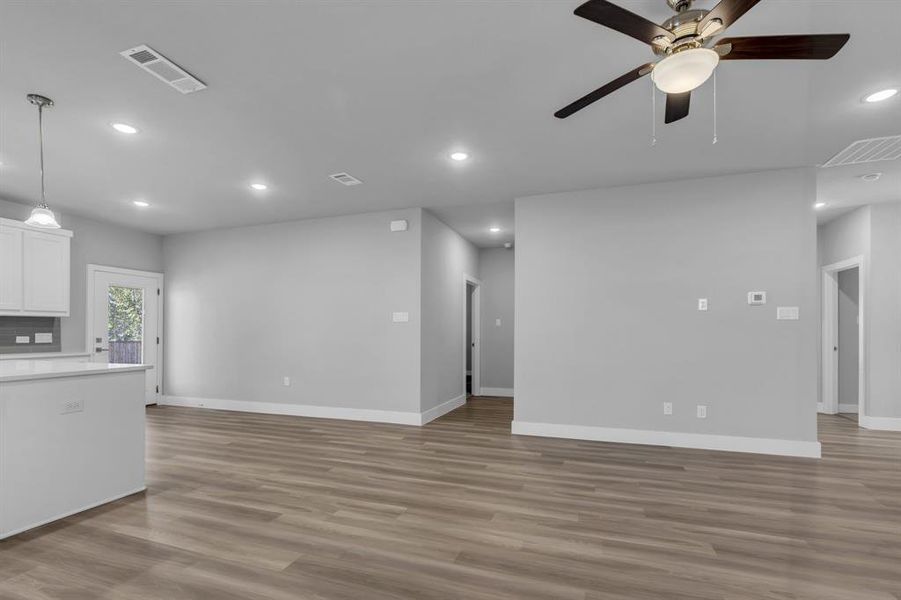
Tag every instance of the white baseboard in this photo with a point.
(881, 423)
(17, 531)
(298, 410)
(442, 409)
(847, 408)
(701, 441)
(492, 391)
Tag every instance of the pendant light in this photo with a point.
(41, 215)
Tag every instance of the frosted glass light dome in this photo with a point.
(42, 217)
(684, 71)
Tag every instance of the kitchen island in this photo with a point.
(71, 438)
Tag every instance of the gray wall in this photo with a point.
(95, 243)
(883, 306)
(874, 232)
(496, 268)
(311, 300)
(848, 338)
(607, 283)
(446, 258)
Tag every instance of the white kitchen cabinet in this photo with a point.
(34, 270)
(10, 269)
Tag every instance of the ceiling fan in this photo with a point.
(689, 57)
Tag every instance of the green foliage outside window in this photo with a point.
(126, 314)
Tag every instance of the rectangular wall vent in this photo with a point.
(163, 69)
(867, 151)
(346, 179)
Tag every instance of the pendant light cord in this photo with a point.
(41, 145)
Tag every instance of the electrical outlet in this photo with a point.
(702, 303)
(23, 339)
(73, 406)
(287, 381)
(497, 322)
(667, 408)
(702, 411)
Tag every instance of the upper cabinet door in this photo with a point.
(10, 269)
(46, 274)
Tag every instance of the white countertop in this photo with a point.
(40, 355)
(25, 370)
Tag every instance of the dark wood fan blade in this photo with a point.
(612, 16)
(677, 106)
(777, 47)
(727, 11)
(603, 91)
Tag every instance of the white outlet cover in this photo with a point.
(497, 322)
(702, 411)
(23, 339)
(286, 381)
(756, 298)
(400, 317)
(667, 408)
(702, 303)
(43, 338)
(399, 225)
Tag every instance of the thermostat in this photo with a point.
(756, 297)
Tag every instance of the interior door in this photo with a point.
(125, 323)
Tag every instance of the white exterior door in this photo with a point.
(124, 322)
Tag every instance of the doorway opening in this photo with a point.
(124, 321)
(844, 360)
(472, 335)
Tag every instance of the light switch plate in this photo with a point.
(788, 313)
(43, 338)
(399, 225)
(286, 381)
(23, 339)
(497, 322)
(400, 317)
(667, 408)
(702, 303)
(702, 411)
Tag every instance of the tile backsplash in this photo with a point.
(13, 327)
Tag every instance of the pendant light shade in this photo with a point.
(41, 215)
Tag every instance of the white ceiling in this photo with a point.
(385, 90)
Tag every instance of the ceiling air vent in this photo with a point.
(345, 179)
(867, 151)
(162, 68)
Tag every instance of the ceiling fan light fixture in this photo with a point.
(684, 71)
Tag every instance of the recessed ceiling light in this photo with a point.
(871, 176)
(141, 203)
(124, 128)
(494, 229)
(819, 205)
(459, 156)
(259, 186)
(881, 95)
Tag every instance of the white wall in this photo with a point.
(496, 268)
(95, 243)
(446, 258)
(607, 326)
(311, 300)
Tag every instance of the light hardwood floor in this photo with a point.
(244, 506)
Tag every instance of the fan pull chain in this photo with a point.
(653, 114)
(714, 107)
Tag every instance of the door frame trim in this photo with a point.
(829, 359)
(477, 328)
(92, 270)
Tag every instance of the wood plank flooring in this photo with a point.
(244, 506)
